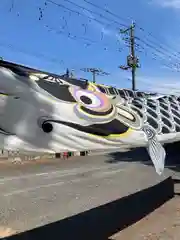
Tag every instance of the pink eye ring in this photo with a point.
(91, 100)
(92, 105)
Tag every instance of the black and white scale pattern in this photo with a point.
(162, 114)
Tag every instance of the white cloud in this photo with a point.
(159, 83)
(165, 85)
(174, 4)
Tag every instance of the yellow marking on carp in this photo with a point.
(94, 116)
(92, 88)
(4, 94)
(120, 135)
(125, 134)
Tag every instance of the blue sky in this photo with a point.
(44, 43)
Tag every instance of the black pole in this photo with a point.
(94, 76)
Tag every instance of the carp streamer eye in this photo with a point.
(45, 124)
(47, 127)
(92, 104)
(89, 99)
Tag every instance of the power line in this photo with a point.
(159, 51)
(171, 55)
(87, 41)
(162, 46)
(35, 54)
(90, 11)
(165, 46)
(123, 19)
(162, 51)
(72, 36)
(106, 11)
(154, 57)
(77, 12)
(105, 24)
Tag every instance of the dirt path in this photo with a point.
(162, 224)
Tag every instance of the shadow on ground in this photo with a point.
(104, 221)
(176, 182)
(141, 155)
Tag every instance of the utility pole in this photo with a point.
(95, 71)
(133, 56)
(67, 72)
(132, 60)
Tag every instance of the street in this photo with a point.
(36, 194)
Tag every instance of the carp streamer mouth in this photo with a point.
(103, 130)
